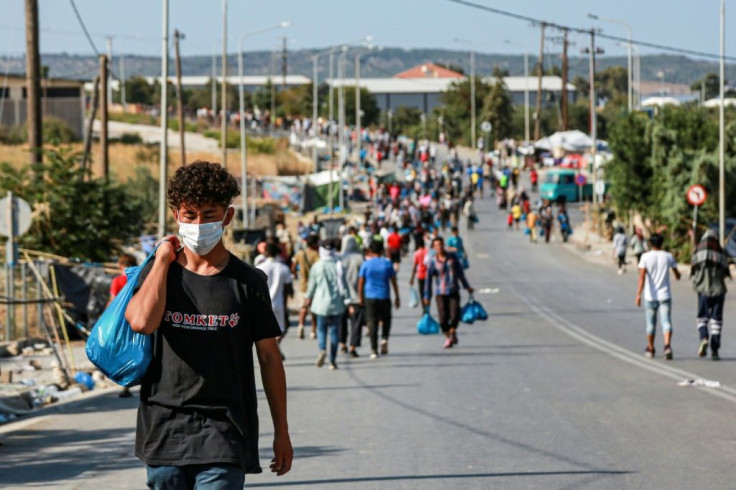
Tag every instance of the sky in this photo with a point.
(136, 25)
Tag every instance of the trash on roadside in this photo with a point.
(700, 382)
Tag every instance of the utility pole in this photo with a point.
(164, 158)
(122, 83)
(564, 80)
(33, 88)
(284, 63)
(104, 86)
(109, 61)
(179, 92)
(90, 123)
(315, 115)
(223, 102)
(593, 116)
(214, 85)
(540, 72)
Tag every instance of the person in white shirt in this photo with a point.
(279, 276)
(654, 280)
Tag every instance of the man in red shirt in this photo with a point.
(534, 177)
(394, 248)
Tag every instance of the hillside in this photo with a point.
(389, 61)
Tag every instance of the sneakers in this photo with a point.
(353, 354)
(703, 349)
(384, 347)
(332, 366)
(321, 358)
(343, 348)
(454, 339)
(300, 332)
(667, 353)
(374, 355)
(714, 356)
(448, 343)
(312, 335)
(649, 352)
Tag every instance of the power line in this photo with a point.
(579, 30)
(84, 27)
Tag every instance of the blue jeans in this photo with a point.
(197, 477)
(333, 323)
(664, 307)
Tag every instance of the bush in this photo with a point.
(263, 145)
(13, 135)
(131, 139)
(80, 217)
(56, 131)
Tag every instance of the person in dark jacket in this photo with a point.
(708, 272)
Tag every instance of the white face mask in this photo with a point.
(201, 239)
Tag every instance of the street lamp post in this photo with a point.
(241, 96)
(526, 90)
(164, 158)
(721, 134)
(472, 90)
(629, 69)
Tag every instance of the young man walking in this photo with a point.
(445, 268)
(303, 261)
(654, 280)
(376, 274)
(709, 270)
(327, 295)
(205, 309)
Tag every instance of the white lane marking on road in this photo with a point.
(489, 291)
(616, 351)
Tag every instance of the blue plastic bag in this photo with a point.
(120, 353)
(467, 315)
(413, 298)
(428, 325)
(472, 311)
(479, 312)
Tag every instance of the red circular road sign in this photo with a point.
(580, 179)
(696, 195)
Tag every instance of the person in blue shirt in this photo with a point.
(375, 275)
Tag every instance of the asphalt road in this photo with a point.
(553, 391)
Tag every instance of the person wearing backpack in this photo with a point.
(205, 309)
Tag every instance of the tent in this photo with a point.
(316, 193)
(715, 102)
(575, 141)
(660, 101)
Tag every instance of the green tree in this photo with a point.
(403, 119)
(85, 218)
(498, 108)
(139, 91)
(456, 110)
(368, 106)
(710, 84)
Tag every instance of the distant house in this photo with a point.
(60, 98)
(422, 86)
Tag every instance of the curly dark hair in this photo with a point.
(200, 183)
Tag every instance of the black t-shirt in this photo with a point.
(198, 398)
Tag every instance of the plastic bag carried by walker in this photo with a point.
(120, 353)
(413, 298)
(428, 325)
(472, 311)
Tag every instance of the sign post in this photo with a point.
(486, 127)
(696, 196)
(580, 181)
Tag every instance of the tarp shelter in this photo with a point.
(316, 191)
(715, 102)
(660, 101)
(575, 141)
(287, 190)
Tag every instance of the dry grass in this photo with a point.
(125, 158)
